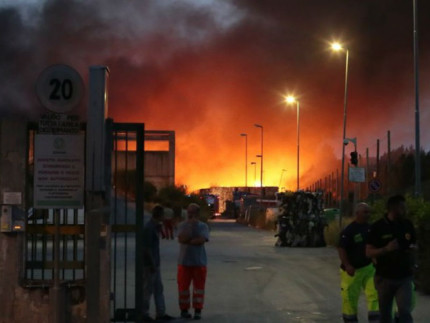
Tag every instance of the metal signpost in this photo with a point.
(59, 157)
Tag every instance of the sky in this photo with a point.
(210, 70)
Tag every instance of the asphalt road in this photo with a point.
(249, 280)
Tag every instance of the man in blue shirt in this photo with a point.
(192, 236)
(152, 284)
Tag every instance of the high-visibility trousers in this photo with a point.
(196, 275)
(351, 287)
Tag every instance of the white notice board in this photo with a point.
(357, 174)
(58, 171)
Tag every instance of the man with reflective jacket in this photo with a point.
(356, 270)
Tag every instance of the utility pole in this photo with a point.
(261, 154)
(246, 158)
(337, 186)
(417, 105)
(367, 169)
(388, 162)
(377, 158)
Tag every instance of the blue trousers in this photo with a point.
(152, 285)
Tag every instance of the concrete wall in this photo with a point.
(18, 303)
(158, 169)
(159, 166)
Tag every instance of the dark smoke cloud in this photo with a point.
(211, 69)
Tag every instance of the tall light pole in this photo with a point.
(280, 180)
(417, 105)
(255, 172)
(261, 156)
(337, 47)
(246, 157)
(261, 159)
(290, 100)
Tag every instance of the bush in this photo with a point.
(418, 209)
(149, 192)
(332, 231)
(125, 182)
(176, 197)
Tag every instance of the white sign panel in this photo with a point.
(12, 198)
(357, 174)
(59, 171)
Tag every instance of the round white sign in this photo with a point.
(60, 88)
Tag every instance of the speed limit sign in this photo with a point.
(60, 88)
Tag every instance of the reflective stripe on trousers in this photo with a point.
(196, 275)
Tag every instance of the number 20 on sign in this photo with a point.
(60, 88)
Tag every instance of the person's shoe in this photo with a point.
(147, 318)
(164, 317)
(198, 315)
(185, 314)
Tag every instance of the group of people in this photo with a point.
(192, 235)
(379, 259)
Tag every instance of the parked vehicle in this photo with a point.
(212, 201)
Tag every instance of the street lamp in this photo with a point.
(337, 47)
(291, 100)
(280, 180)
(261, 156)
(255, 172)
(246, 157)
(261, 161)
(417, 104)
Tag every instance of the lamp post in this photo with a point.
(255, 172)
(417, 105)
(290, 100)
(337, 47)
(246, 157)
(261, 156)
(261, 159)
(280, 180)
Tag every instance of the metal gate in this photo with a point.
(54, 246)
(127, 221)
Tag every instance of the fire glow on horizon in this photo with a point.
(209, 70)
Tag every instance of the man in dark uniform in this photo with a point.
(357, 271)
(152, 284)
(390, 243)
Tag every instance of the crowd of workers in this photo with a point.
(379, 259)
(375, 258)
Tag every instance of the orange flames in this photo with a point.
(211, 93)
(209, 110)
